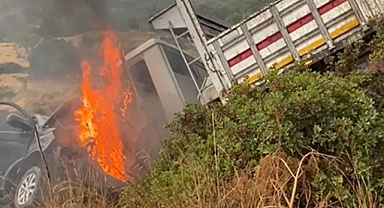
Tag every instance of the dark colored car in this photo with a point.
(31, 155)
(22, 145)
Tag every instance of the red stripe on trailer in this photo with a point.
(269, 40)
(261, 45)
(241, 56)
(290, 28)
(330, 5)
(300, 22)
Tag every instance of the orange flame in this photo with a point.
(97, 117)
(126, 100)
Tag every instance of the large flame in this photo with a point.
(97, 118)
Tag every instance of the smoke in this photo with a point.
(51, 17)
(70, 17)
(144, 126)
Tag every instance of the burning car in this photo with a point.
(114, 130)
(31, 154)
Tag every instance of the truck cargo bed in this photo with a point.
(272, 38)
(287, 31)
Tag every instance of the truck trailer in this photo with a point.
(273, 38)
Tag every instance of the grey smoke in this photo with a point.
(69, 17)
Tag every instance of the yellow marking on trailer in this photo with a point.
(313, 45)
(288, 59)
(349, 25)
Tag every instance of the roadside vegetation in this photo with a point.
(313, 140)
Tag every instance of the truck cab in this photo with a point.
(161, 85)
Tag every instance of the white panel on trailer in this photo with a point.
(244, 64)
(273, 48)
(320, 3)
(282, 5)
(304, 47)
(234, 50)
(174, 88)
(278, 59)
(301, 32)
(231, 36)
(366, 9)
(294, 16)
(263, 33)
(335, 13)
(259, 19)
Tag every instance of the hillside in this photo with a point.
(12, 52)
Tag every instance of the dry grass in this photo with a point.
(75, 195)
(12, 52)
(45, 96)
(274, 183)
(11, 80)
(83, 191)
(42, 96)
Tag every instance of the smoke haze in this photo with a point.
(54, 18)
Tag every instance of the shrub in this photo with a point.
(303, 112)
(312, 139)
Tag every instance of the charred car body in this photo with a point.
(31, 156)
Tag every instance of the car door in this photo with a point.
(14, 140)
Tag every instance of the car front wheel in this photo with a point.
(28, 188)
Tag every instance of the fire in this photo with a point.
(126, 100)
(97, 118)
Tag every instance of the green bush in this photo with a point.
(302, 112)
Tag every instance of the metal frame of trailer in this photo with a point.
(272, 38)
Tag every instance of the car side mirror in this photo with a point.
(18, 122)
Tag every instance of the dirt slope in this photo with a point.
(12, 52)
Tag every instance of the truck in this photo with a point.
(274, 38)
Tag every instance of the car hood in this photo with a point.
(63, 110)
